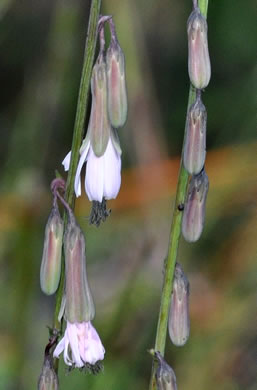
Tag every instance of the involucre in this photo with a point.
(195, 144)
(199, 67)
(79, 302)
(50, 270)
(194, 211)
(179, 322)
(116, 82)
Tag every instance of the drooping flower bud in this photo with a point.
(50, 270)
(179, 322)
(48, 379)
(99, 125)
(195, 143)
(116, 82)
(165, 376)
(194, 211)
(79, 301)
(199, 67)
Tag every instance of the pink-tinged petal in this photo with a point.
(82, 340)
(95, 350)
(112, 172)
(77, 183)
(66, 162)
(74, 344)
(59, 348)
(94, 181)
(66, 356)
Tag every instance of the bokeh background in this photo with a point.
(41, 52)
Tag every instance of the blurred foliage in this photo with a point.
(41, 51)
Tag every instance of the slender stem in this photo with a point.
(175, 232)
(89, 55)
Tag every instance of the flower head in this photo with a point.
(80, 345)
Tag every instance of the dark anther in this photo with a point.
(181, 207)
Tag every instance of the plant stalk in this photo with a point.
(89, 55)
(175, 233)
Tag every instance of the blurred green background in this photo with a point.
(41, 52)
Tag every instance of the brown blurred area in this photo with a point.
(41, 52)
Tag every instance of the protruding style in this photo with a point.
(194, 212)
(116, 81)
(165, 376)
(50, 270)
(179, 322)
(195, 143)
(199, 67)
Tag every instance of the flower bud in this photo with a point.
(99, 124)
(179, 323)
(165, 376)
(116, 84)
(79, 301)
(50, 270)
(199, 67)
(195, 143)
(194, 211)
(48, 379)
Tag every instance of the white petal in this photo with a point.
(77, 183)
(66, 162)
(94, 181)
(112, 172)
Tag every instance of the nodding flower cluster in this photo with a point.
(199, 69)
(101, 148)
(194, 154)
(81, 345)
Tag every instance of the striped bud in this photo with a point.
(50, 270)
(99, 125)
(179, 323)
(116, 84)
(79, 302)
(194, 211)
(199, 67)
(165, 376)
(48, 379)
(195, 143)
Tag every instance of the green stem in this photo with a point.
(175, 232)
(78, 132)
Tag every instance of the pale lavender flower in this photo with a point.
(80, 345)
